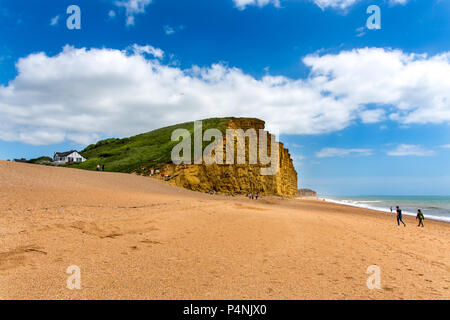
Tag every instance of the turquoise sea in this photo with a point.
(433, 207)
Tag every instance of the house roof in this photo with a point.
(64, 154)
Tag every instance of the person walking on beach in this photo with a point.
(391, 209)
(103, 167)
(257, 195)
(420, 217)
(98, 167)
(399, 217)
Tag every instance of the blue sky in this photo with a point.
(362, 111)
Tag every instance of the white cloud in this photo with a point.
(410, 150)
(360, 31)
(155, 52)
(242, 4)
(54, 21)
(294, 145)
(372, 116)
(84, 93)
(111, 14)
(339, 152)
(323, 4)
(168, 30)
(83, 139)
(132, 8)
(297, 158)
(344, 4)
(418, 86)
(446, 146)
(336, 4)
(115, 92)
(394, 2)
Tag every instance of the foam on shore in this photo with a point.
(367, 204)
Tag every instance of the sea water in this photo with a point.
(433, 207)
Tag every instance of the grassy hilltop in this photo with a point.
(142, 152)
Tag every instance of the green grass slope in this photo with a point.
(142, 152)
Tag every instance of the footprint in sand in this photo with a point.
(150, 241)
(18, 256)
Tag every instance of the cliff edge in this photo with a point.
(238, 178)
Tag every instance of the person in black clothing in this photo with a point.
(420, 217)
(399, 217)
(103, 167)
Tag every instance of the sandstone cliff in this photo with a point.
(237, 178)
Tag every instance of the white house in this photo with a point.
(69, 156)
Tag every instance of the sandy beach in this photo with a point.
(137, 238)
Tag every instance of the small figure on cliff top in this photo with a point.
(420, 217)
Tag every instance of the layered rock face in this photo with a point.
(238, 178)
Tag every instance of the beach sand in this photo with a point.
(137, 238)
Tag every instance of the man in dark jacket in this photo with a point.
(399, 217)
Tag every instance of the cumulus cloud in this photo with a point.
(417, 86)
(410, 150)
(81, 94)
(340, 152)
(132, 8)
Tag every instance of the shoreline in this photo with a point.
(368, 207)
